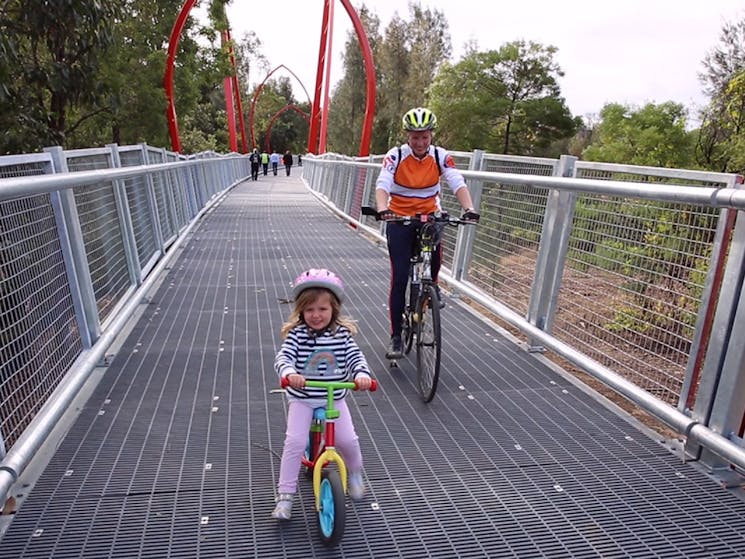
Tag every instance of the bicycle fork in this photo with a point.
(329, 454)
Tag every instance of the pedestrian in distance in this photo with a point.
(318, 345)
(255, 159)
(265, 162)
(274, 160)
(409, 184)
(287, 160)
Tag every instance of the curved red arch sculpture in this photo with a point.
(258, 92)
(178, 27)
(275, 116)
(315, 106)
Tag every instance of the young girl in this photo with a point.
(318, 345)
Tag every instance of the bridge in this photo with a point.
(156, 422)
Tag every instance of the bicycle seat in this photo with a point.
(319, 414)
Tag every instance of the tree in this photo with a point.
(722, 133)
(411, 54)
(392, 64)
(406, 61)
(429, 48)
(652, 135)
(506, 101)
(277, 106)
(51, 51)
(134, 110)
(726, 60)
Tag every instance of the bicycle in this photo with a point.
(329, 484)
(421, 318)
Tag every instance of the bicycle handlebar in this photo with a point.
(424, 218)
(331, 385)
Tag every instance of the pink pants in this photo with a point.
(299, 417)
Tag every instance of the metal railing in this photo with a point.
(628, 272)
(631, 274)
(83, 234)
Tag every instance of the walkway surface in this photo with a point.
(176, 452)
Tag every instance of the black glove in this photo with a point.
(386, 215)
(471, 216)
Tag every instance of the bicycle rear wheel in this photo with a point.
(428, 342)
(332, 516)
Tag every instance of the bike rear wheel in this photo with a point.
(332, 517)
(428, 342)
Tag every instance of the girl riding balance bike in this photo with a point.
(318, 345)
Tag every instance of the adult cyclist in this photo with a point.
(409, 184)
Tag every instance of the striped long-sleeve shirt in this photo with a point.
(331, 355)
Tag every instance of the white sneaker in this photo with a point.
(356, 486)
(283, 508)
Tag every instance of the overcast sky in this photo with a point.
(631, 51)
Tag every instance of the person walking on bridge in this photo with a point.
(255, 159)
(409, 184)
(287, 160)
(274, 160)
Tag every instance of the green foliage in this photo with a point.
(94, 75)
(654, 245)
(503, 101)
(406, 60)
(51, 50)
(653, 135)
(721, 138)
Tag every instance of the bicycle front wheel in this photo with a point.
(332, 516)
(428, 342)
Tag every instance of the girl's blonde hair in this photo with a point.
(308, 297)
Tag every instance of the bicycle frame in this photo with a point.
(328, 453)
(323, 450)
(420, 271)
(422, 310)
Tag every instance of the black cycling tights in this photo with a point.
(401, 244)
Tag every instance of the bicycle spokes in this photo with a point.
(428, 343)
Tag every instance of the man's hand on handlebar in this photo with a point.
(386, 215)
(470, 216)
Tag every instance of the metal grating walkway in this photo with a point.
(176, 452)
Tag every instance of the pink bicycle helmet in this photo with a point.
(318, 277)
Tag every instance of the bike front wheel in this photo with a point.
(332, 513)
(428, 342)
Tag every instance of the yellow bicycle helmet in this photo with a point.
(419, 119)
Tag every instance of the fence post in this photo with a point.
(720, 396)
(153, 202)
(552, 250)
(125, 218)
(466, 234)
(73, 252)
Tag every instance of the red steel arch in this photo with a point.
(315, 106)
(258, 92)
(275, 116)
